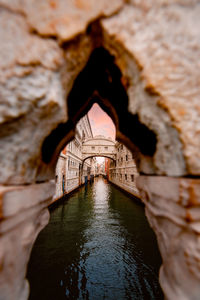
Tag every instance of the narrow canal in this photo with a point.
(98, 245)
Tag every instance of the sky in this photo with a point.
(101, 124)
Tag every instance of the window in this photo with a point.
(121, 159)
(132, 178)
(106, 148)
(126, 157)
(125, 176)
(56, 178)
(121, 147)
(93, 148)
(120, 176)
(63, 183)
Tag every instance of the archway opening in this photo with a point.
(96, 205)
(95, 211)
(101, 82)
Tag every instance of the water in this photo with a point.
(98, 245)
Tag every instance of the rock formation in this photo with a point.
(154, 51)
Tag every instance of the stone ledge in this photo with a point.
(172, 206)
(184, 191)
(15, 199)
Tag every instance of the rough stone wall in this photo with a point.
(172, 208)
(43, 50)
(156, 44)
(44, 45)
(23, 215)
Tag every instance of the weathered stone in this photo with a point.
(31, 94)
(64, 19)
(35, 77)
(157, 48)
(24, 215)
(172, 206)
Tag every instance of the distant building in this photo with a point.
(107, 167)
(70, 173)
(123, 171)
(68, 169)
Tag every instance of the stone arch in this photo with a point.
(155, 67)
(91, 156)
(98, 146)
(153, 132)
(89, 89)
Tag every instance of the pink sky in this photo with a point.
(100, 122)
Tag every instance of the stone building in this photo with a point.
(69, 171)
(123, 171)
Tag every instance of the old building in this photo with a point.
(70, 173)
(123, 170)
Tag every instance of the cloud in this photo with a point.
(100, 122)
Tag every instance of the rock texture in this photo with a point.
(35, 78)
(44, 46)
(31, 97)
(159, 65)
(23, 214)
(61, 18)
(157, 46)
(172, 206)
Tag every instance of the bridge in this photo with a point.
(98, 146)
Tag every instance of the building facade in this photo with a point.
(70, 173)
(123, 171)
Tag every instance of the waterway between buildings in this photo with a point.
(98, 245)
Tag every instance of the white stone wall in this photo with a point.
(123, 172)
(59, 176)
(99, 146)
(68, 169)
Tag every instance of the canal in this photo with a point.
(97, 245)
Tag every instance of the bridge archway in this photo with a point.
(105, 156)
(98, 146)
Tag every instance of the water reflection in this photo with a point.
(98, 245)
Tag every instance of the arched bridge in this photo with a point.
(98, 146)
